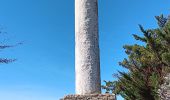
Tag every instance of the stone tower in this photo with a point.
(87, 60)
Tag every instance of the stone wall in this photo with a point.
(164, 91)
(90, 97)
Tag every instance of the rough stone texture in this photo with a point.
(90, 97)
(164, 91)
(87, 65)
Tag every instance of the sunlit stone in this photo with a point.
(87, 61)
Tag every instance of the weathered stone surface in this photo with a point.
(164, 91)
(87, 65)
(90, 97)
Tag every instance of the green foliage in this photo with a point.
(147, 64)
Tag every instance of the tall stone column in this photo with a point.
(87, 61)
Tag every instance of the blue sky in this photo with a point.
(45, 66)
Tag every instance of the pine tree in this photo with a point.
(147, 65)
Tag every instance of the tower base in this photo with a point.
(90, 97)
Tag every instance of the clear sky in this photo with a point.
(45, 66)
